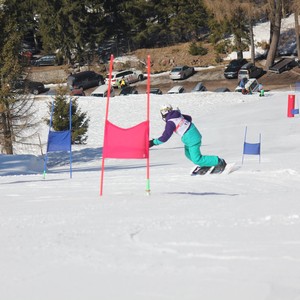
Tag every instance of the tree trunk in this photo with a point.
(239, 54)
(252, 43)
(275, 33)
(297, 32)
(7, 137)
(238, 44)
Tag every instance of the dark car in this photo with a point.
(249, 70)
(84, 80)
(156, 91)
(77, 92)
(284, 64)
(46, 60)
(222, 90)
(128, 90)
(33, 87)
(233, 68)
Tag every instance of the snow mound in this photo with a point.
(21, 164)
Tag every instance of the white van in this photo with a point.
(102, 90)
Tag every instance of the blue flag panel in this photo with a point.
(59, 141)
(251, 148)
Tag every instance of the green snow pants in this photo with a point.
(192, 142)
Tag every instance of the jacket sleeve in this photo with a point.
(169, 129)
(187, 117)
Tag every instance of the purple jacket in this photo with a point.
(170, 126)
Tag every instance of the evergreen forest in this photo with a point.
(80, 30)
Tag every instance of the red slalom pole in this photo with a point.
(106, 117)
(291, 106)
(148, 120)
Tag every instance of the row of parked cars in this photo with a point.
(102, 91)
(35, 87)
(199, 87)
(237, 68)
(79, 82)
(88, 79)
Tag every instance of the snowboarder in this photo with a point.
(191, 138)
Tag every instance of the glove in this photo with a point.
(151, 143)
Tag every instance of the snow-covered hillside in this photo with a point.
(227, 237)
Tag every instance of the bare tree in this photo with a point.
(17, 119)
(16, 108)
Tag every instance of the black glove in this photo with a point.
(151, 143)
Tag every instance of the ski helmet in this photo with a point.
(164, 109)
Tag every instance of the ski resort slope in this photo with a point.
(212, 237)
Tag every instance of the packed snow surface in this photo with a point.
(212, 237)
(215, 237)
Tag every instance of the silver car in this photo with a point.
(181, 72)
(178, 89)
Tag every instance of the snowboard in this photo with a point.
(231, 167)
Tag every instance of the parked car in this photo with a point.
(102, 91)
(77, 92)
(284, 64)
(222, 90)
(128, 90)
(33, 87)
(249, 70)
(130, 76)
(29, 46)
(84, 80)
(181, 72)
(46, 60)
(156, 91)
(232, 69)
(199, 88)
(177, 89)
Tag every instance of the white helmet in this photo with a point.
(164, 109)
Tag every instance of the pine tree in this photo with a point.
(75, 28)
(230, 15)
(61, 117)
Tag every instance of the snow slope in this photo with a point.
(226, 237)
